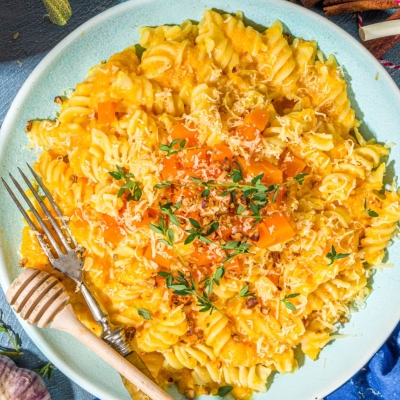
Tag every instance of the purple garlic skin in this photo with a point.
(19, 383)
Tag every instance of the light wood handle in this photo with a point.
(66, 321)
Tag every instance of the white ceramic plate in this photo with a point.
(376, 100)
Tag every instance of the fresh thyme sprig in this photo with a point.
(287, 303)
(199, 232)
(168, 209)
(256, 214)
(183, 286)
(368, 211)
(237, 248)
(234, 248)
(12, 337)
(46, 370)
(333, 256)
(243, 293)
(214, 278)
(170, 149)
(254, 186)
(254, 191)
(135, 192)
(162, 228)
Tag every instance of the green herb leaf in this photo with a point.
(116, 175)
(167, 209)
(171, 235)
(190, 238)
(213, 228)
(169, 149)
(224, 390)
(163, 185)
(206, 192)
(245, 293)
(223, 194)
(195, 180)
(45, 371)
(135, 192)
(183, 286)
(287, 303)
(240, 209)
(300, 178)
(257, 180)
(156, 229)
(194, 223)
(219, 273)
(290, 306)
(237, 174)
(145, 314)
(333, 256)
(368, 211)
(291, 296)
(12, 337)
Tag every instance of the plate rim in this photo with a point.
(23, 95)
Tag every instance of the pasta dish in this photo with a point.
(228, 206)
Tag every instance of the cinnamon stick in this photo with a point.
(379, 47)
(360, 5)
(328, 3)
(310, 3)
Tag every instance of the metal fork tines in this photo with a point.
(64, 258)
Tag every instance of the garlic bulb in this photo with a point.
(19, 383)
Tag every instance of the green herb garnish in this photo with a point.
(145, 314)
(224, 390)
(199, 232)
(214, 278)
(13, 338)
(162, 228)
(170, 149)
(287, 303)
(244, 292)
(333, 256)
(168, 209)
(135, 192)
(368, 211)
(45, 371)
(183, 286)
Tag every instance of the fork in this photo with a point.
(70, 264)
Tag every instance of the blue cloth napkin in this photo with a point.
(379, 379)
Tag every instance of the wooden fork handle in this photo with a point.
(66, 321)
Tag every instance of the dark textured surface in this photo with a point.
(18, 57)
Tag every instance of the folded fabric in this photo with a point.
(379, 379)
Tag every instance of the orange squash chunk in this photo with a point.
(191, 158)
(220, 152)
(106, 112)
(158, 259)
(291, 165)
(257, 118)
(182, 132)
(170, 168)
(112, 232)
(275, 230)
(272, 174)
